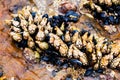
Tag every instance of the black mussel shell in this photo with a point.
(45, 16)
(33, 14)
(21, 44)
(72, 16)
(99, 70)
(45, 58)
(88, 72)
(17, 19)
(75, 62)
(68, 77)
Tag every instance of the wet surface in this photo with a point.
(11, 58)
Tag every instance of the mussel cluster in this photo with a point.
(106, 11)
(55, 37)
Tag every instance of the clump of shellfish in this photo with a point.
(39, 34)
(106, 11)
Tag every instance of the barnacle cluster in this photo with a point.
(106, 11)
(40, 34)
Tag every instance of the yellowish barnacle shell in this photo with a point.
(84, 38)
(16, 29)
(48, 27)
(63, 49)
(42, 45)
(40, 35)
(8, 22)
(62, 26)
(90, 38)
(26, 13)
(92, 5)
(78, 54)
(98, 8)
(51, 41)
(21, 16)
(31, 42)
(89, 47)
(23, 23)
(94, 57)
(79, 43)
(16, 36)
(101, 1)
(96, 66)
(58, 31)
(38, 18)
(70, 52)
(38, 50)
(115, 49)
(104, 61)
(115, 62)
(14, 15)
(116, 1)
(26, 35)
(104, 48)
(99, 44)
(37, 55)
(43, 22)
(75, 37)
(34, 9)
(99, 54)
(29, 54)
(73, 28)
(30, 20)
(108, 2)
(32, 28)
(67, 37)
(57, 43)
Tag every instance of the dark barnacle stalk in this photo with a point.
(54, 39)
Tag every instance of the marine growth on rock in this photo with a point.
(51, 38)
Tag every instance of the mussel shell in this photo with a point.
(17, 19)
(45, 58)
(68, 77)
(33, 14)
(21, 44)
(88, 72)
(75, 62)
(99, 70)
(45, 16)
